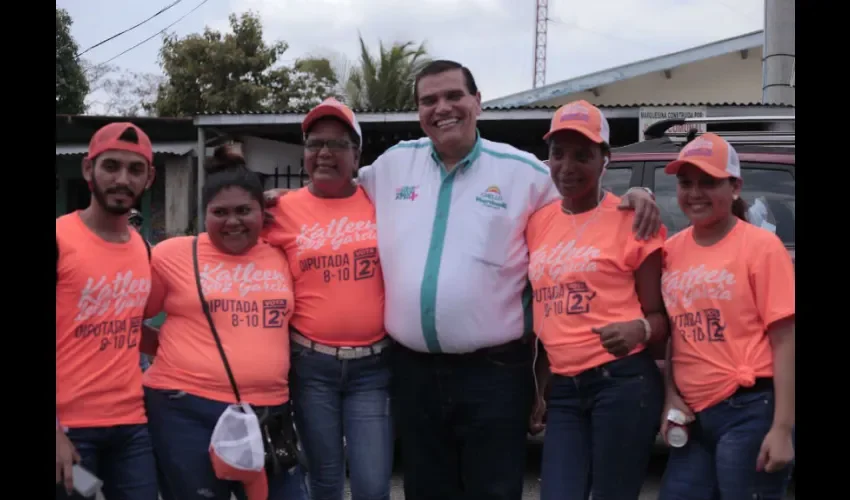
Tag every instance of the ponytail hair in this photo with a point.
(739, 209)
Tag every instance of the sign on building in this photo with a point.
(650, 115)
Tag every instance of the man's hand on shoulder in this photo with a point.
(647, 215)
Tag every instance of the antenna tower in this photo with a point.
(541, 24)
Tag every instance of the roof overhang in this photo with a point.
(251, 119)
(620, 73)
(543, 113)
(162, 148)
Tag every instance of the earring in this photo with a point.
(735, 197)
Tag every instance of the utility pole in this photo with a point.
(202, 175)
(779, 52)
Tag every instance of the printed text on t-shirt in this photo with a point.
(565, 298)
(103, 307)
(101, 295)
(697, 282)
(700, 326)
(563, 258)
(336, 233)
(360, 264)
(244, 278)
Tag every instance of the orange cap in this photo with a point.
(336, 109)
(582, 117)
(108, 138)
(255, 482)
(711, 154)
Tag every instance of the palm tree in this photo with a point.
(385, 81)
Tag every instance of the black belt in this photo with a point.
(513, 344)
(484, 351)
(762, 384)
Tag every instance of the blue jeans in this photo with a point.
(719, 460)
(600, 430)
(463, 422)
(181, 426)
(121, 456)
(351, 399)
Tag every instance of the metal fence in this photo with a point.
(288, 177)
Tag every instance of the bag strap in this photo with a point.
(147, 247)
(206, 307)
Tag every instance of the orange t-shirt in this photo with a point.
(332, 248)
(101, 291)
(250, 299)
(582, 270)
(720, 300)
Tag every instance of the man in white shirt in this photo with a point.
(451, 215)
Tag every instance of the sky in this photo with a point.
(494, 38)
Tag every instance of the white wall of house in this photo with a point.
(727, 78)
(263, 155)
(180, 176)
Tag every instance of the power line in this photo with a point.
(98, 44)
(146, 40)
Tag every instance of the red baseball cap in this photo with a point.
(581, 117)
(711, 154)
(331, 107)
(254, 482)
(236, 450)
(108, 138)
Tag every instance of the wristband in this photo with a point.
(647, 328)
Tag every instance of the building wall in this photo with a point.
(273, 158)
(722, 79)
(178, 197)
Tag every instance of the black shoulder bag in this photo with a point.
(280, 441)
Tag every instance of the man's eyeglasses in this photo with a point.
(335, 145)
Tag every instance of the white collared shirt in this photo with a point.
(452, 245)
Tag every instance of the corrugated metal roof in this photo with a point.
(174, 149)
(631, 70)
(293, 118)
(296, 111)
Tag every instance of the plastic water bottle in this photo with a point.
(677, 430)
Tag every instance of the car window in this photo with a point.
(617, 180)
(769, 192)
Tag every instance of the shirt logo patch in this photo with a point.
(492, 197)
(407, 193)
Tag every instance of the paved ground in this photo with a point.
(532, 483)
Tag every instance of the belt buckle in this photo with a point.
(346, 353)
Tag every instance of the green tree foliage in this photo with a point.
(71, 84)
(237, 71)
(385, 80)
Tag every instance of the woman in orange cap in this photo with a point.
(729, 290)
(340, 370)
(597, 304)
